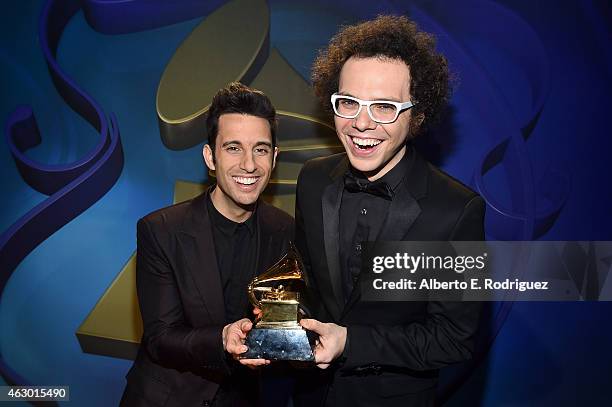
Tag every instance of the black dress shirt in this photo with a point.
(362, 216)
(236, 251)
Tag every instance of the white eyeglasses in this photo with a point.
(381, 111)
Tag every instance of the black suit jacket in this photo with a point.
(181, 361)
(393, 349)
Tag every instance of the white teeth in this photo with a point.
(245, 180)
(366, 141)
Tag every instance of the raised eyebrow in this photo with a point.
(264, 143)
(385, 99)
(347, 94)
(260, 143)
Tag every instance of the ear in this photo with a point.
(274, 157)
(209, 159)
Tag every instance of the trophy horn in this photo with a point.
(288, 269)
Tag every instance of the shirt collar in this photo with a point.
(395, 176)
(226, 225)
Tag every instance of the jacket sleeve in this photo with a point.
(167, 338)
(445, 336)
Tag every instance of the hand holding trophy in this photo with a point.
(276, 292)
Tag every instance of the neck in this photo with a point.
(228, 208)
(379, 173)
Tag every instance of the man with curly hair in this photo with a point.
(385, 84)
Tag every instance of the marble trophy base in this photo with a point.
(278, 344)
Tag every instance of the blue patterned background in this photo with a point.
(528, 127)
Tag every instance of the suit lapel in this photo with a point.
(198, 245)
(330, 205)
(403, 211)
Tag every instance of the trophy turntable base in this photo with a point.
(278, 344)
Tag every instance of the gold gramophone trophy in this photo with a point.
(278, 335)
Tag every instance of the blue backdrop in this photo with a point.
(527, 127)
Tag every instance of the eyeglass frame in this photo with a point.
(399, 107)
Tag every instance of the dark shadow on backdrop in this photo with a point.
(439, 142)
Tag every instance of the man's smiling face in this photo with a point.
(374, 148)
(243, 161)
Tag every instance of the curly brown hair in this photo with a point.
(394, 37)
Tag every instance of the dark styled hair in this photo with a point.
(239, 98)
(393, 37)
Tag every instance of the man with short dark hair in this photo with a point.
(384, 83)
(195, 260)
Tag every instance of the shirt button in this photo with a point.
(205, 403)
(358, 247)
(364, 211)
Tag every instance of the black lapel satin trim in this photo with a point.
(417, 178)
(404, 208)
(196, 238)
(330, 205)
